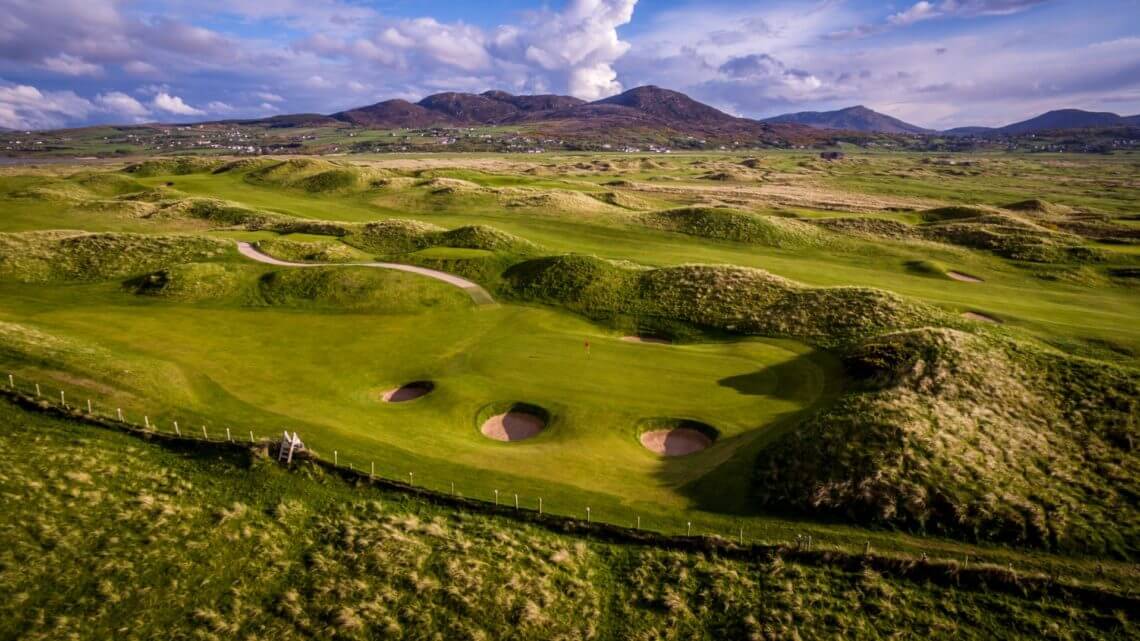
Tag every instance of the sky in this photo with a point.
(934, 63)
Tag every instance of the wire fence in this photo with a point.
(532, 508)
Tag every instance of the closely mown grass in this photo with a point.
(116, 537)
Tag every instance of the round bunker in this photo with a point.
(677, 437)
(963, 277)
(408, 392)
(655, 340)
(982, 318)
(509, 422)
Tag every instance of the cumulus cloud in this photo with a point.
(117, 102)
(219, 107)
(26, 107)
(174, 105)
(69, 65)
(140, 68)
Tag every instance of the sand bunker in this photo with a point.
(980, 317)
(647, 339)
(512, 426)
(965, 278)
(408, 392)
(677, 441)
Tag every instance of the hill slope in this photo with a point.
(857, 118)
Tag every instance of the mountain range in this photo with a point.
(860, 118)
(655, 108)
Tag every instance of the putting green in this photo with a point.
(323, 373)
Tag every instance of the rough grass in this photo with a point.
(729, 224)
(735, 299)
(170, 543)
(376, 291)
(975, 437)
(67, 255)
(320, 251)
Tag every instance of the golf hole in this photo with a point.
(510, 422)
(408, 392)
(676, 437)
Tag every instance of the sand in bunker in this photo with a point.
(965, 278)
(980, 317)
(409, 392)
(512, 426)
(646, 339)
(675, 442)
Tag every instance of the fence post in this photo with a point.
(119, 410)
(37, 390)
(62, 399)
(516, 501)
(336, 458)
(540, 505)
(453, 488)
(205, 434)
(146, 419)
(176, 430)
(251, 436)
(89, 407)
(11, 382)
(688, 528)
(411, 478)
(496, 497)
(587, 514)
(742, 536)
(372, 473)
(228, 437)
(638, 523)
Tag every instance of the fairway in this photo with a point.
(252, 367)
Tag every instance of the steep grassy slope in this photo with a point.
(734, 299)
(66, 255)
(728, 224)
(111, 536)
(957, 434)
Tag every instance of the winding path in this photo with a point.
(476, 292)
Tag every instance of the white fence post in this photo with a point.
(496, 497)
(228, 437)
(251, 436)
(205, 434)
(176, 430)
(89, 407)
(516, 501)
(639, 522)
(372, 469)
(146, 419)
(119, 410)
(688, 528)
(587, 514)
(62, 399)
(411, 478)
(540, 505)
(11, 382)
(336, 458)
(37, 390)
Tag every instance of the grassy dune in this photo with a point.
(215, 545)
(818, 325)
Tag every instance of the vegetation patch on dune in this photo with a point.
(976, 437)
(736, 299)
(176, 166)
(266, 553)
(730, 224)
(68, 255)
(320, 251)
(192, 282)
(357, 289)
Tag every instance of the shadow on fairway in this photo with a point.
(784, 380)
(726, 486)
